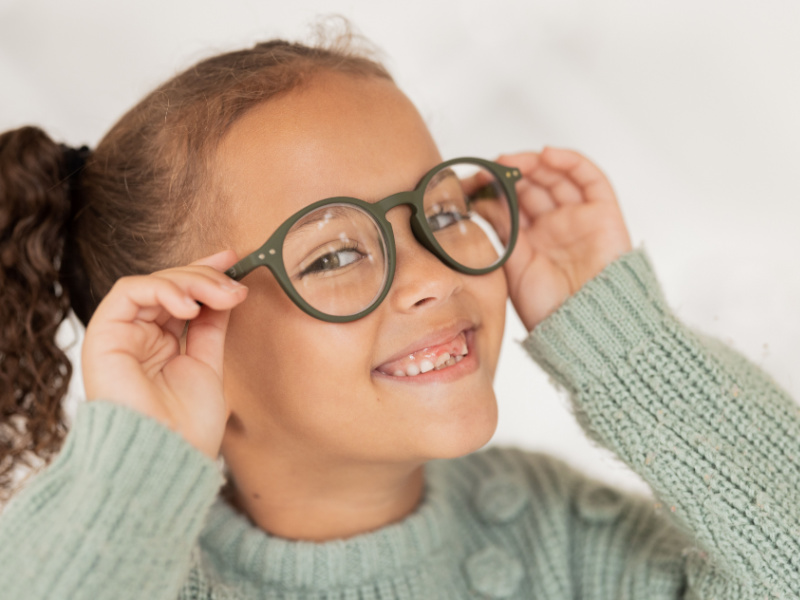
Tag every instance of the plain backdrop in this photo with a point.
(689, 105)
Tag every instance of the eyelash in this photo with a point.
(440, 211)
(310, 270)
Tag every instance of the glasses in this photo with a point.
(336, 258)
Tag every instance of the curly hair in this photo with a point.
(144, 201)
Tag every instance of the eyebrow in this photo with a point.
(441, 176)
(330, 212)
(341, 211)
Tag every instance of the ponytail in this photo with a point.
(146, 201)
(34, 371)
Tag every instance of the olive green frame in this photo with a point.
(270, 253)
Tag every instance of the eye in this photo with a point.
(441, 217)
(337, 258)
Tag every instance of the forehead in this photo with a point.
(336, 135)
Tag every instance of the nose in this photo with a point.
(420, 278)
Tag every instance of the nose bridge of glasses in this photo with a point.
(405, 199)
(411, 199)
(398, 199)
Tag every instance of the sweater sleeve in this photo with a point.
(717, 440)
(114, 516)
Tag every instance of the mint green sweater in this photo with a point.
(130, 510)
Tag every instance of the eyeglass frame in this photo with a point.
(270, 253)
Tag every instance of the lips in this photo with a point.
(443, 349)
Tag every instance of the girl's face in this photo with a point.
(300, 387)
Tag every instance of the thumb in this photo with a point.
(205, 337)
(219, 261)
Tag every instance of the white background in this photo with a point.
(691, 106)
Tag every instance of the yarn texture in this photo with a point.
(129, 510)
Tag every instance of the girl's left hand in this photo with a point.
(571, 228)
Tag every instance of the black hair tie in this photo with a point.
(74, 161)
(72, 274)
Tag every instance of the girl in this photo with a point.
(334, 381)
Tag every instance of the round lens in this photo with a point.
(336, 259)
(468, 212)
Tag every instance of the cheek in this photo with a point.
(281, 365)
(491, 292)
(497, 287)
(255, 325)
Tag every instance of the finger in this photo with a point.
(558, 184)
(193, 282)
(565, 192)
(524, 221)
(197, 281)
(556, 187)
(213, 266)
(163, 319)
(534, 200)
(147, 297)
(472, 184)
(176, 326)
(219, 261)
(150, 296)
(524, 161)
(205, 338)
(583, 172)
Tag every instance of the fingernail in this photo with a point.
(231, 285)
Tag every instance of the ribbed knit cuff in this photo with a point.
(594, 330)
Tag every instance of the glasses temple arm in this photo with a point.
(244, 266)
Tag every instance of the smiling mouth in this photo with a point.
(424, 360)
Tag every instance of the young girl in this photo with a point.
(331, 381)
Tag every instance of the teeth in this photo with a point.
(442, 362)
(448, 363)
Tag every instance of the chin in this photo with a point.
(461, 434)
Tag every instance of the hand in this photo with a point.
(132, 351)
(571, 228)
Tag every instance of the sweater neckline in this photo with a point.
(237, 547)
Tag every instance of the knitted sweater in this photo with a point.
(130, 510)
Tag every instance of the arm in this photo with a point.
(716, 439)
(114, 516)
(118, 511)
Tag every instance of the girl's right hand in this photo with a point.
(132, 352)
